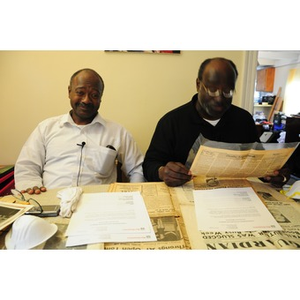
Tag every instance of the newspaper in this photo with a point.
(172, 214)
(165, 221)
(284, 210)
(9, 212)
(155, 194)
(167, 230)
(223, 160)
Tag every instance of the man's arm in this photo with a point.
(132, 159)
(30, 163)
(158, 153)
(283, 175)
(158, 164)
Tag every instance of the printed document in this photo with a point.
(224, 160)
(110, 217)
(232, 209)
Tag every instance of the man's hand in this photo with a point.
(174, 174)
(34, 190)
(279, 178)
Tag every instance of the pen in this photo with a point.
(111, 147)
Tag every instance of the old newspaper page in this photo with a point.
(165, 220)
(285, 211)
(58, 240)
(9, 212)
(211, 162)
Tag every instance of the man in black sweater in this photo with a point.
(209, 113)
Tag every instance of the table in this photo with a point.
(50, 197)
(285, 211)
(165, 222)
(172, 214)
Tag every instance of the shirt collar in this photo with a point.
(68, 119)
(196, 118)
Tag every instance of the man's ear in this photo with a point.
(69, 90)
(197, 84)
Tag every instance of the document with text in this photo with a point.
(165, 218)
(237, 161)
(110, 217)
(232, 209)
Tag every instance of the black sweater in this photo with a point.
(177, 131)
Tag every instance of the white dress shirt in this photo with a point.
(54, 156)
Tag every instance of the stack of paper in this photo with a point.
(110, 217)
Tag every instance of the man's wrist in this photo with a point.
(160, 170)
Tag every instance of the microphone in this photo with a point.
(80, 161)
(82, 144)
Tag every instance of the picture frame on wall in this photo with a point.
(148, 51)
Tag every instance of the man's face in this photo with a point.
(85, 94)
(218, 76)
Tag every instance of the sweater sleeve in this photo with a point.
(158, 153)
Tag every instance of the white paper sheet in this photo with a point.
(232, 209)
(110, 217)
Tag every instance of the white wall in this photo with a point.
(281, 75)
(139, 89)
(291, 103)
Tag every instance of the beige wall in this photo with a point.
(139, 89)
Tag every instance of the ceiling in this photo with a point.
(277, 58)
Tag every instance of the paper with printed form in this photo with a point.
(110, 217)
(232, 209)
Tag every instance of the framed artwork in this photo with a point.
(148, 51)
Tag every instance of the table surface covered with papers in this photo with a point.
(173, 217)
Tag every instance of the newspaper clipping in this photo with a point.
(285, 211)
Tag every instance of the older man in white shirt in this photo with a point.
(78, 148)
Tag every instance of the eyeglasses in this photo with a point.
(212, 92)
(19, 196)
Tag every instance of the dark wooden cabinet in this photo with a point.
(265, 80)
